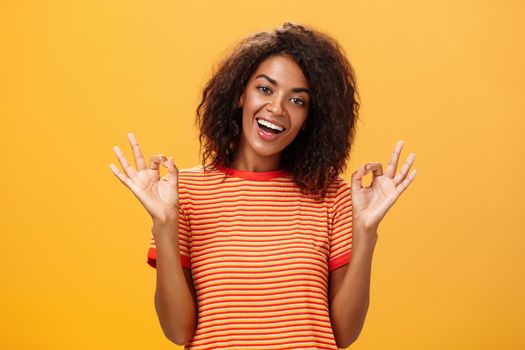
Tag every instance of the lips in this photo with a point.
(269, 125)
(265, 133)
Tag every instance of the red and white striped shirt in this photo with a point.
(260, 254)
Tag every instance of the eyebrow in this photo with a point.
(274, 82)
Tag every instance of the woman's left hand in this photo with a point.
(370, 204)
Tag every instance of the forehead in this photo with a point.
(283, 69)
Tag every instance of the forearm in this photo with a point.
(173, 299)
(350, 305)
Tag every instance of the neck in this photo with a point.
(247, 160)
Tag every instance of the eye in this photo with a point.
(264, 89)
(298, 101)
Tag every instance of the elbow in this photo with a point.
(343, 344)
(353, 340)
(176, 341)
(347, 337)
(177, 338)
(172, 338)
(179, 330)
(178, 334)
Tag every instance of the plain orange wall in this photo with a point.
(76, 76)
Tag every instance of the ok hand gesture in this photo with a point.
(159, 196)
(370, 204)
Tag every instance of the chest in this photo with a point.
(257, 231)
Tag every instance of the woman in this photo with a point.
(266, 246)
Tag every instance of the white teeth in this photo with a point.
(269, 125)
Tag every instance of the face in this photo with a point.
(275, 105)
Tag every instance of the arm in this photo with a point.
(175, 300)
(350, 293)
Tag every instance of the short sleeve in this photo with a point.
(341, 226)
(184, 244)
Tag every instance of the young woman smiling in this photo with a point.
(264, 245)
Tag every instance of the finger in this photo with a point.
(400, 176)
(376, 168)
(404, 184)
(125, 165)
(357, 178)
(171, 166)
(155, 161)
(394, 159)
(140, 162)
(123, 178)
(172, 176)
(172, 169)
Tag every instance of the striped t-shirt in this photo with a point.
(260, 254)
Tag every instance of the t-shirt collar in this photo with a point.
(253, 175)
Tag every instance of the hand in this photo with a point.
(370, 204)
(159, 196)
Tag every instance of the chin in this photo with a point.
(267, 148)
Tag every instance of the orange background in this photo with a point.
(76, 76)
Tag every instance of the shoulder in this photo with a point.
(196, 177)
(197, 171)
(339, 194)
(340, 186)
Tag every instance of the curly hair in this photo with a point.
(318, 154)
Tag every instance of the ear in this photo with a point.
(240, 103)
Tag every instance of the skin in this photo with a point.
(175, 298)
(349, 287)
(350, 284)
(276, 91)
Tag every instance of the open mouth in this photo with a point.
(269, 127)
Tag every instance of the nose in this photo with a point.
(276, 105)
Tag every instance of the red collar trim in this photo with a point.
(253, 175)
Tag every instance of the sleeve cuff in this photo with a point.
(152, 259)
(340, 261)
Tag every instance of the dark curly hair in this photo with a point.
(318, 154)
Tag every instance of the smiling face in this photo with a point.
(275, 105)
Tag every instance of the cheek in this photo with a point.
(254, 100)
(293, 133)
(300, 120)
(246, 121)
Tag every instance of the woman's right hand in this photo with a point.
(159, 196)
